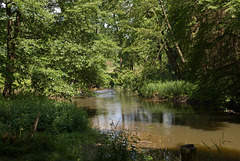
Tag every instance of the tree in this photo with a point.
(13, 14)
(209, 38)
(145, 38)
(53, 47)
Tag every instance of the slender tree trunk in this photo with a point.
(10, 56)
(170, 28)
(11, 36)
(169, 51)
(131, 66)
(120, 62)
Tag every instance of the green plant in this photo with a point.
(51, 82)
(128, 79)
(168, 89)
(55, 117)
(217, 147)
(161, 155)
(42, 147)
(62, 129)
(118, 145)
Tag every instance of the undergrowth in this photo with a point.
(19, 114)
(61, 131)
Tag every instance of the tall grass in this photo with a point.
(168, 89)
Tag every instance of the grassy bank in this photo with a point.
(61, 125)
(167, 90)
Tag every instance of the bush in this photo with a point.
(55, 117)
(51, 82)
(128, 79)
(61, 130)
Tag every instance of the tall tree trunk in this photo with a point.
(10, 55)
(172, 61)
(11, 49)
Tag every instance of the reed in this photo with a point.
(168, 89)
(216, 150)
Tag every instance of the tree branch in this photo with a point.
(170, 28)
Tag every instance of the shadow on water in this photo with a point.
(198, 117)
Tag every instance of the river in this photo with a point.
(164, 125)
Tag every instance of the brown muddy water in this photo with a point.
(165, 125)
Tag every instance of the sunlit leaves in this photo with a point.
(58, 50)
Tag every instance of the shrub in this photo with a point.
(51, 82)
(55, 117)
(128, 79)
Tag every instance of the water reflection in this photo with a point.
(177, 114)
(161, 124)
(167, 120)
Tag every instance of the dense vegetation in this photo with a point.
(160, 48)
(167, 90)
(60, 48)
(58, 124)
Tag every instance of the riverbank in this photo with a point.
(185, 92)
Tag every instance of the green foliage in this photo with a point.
(55, 117)
(129, 79)
(209, 37)
(51, 82)
(168, 89)
(162, 155)
(42, 147)
(60, 47)
(58, 52)
(207, 33)
(62, 131)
